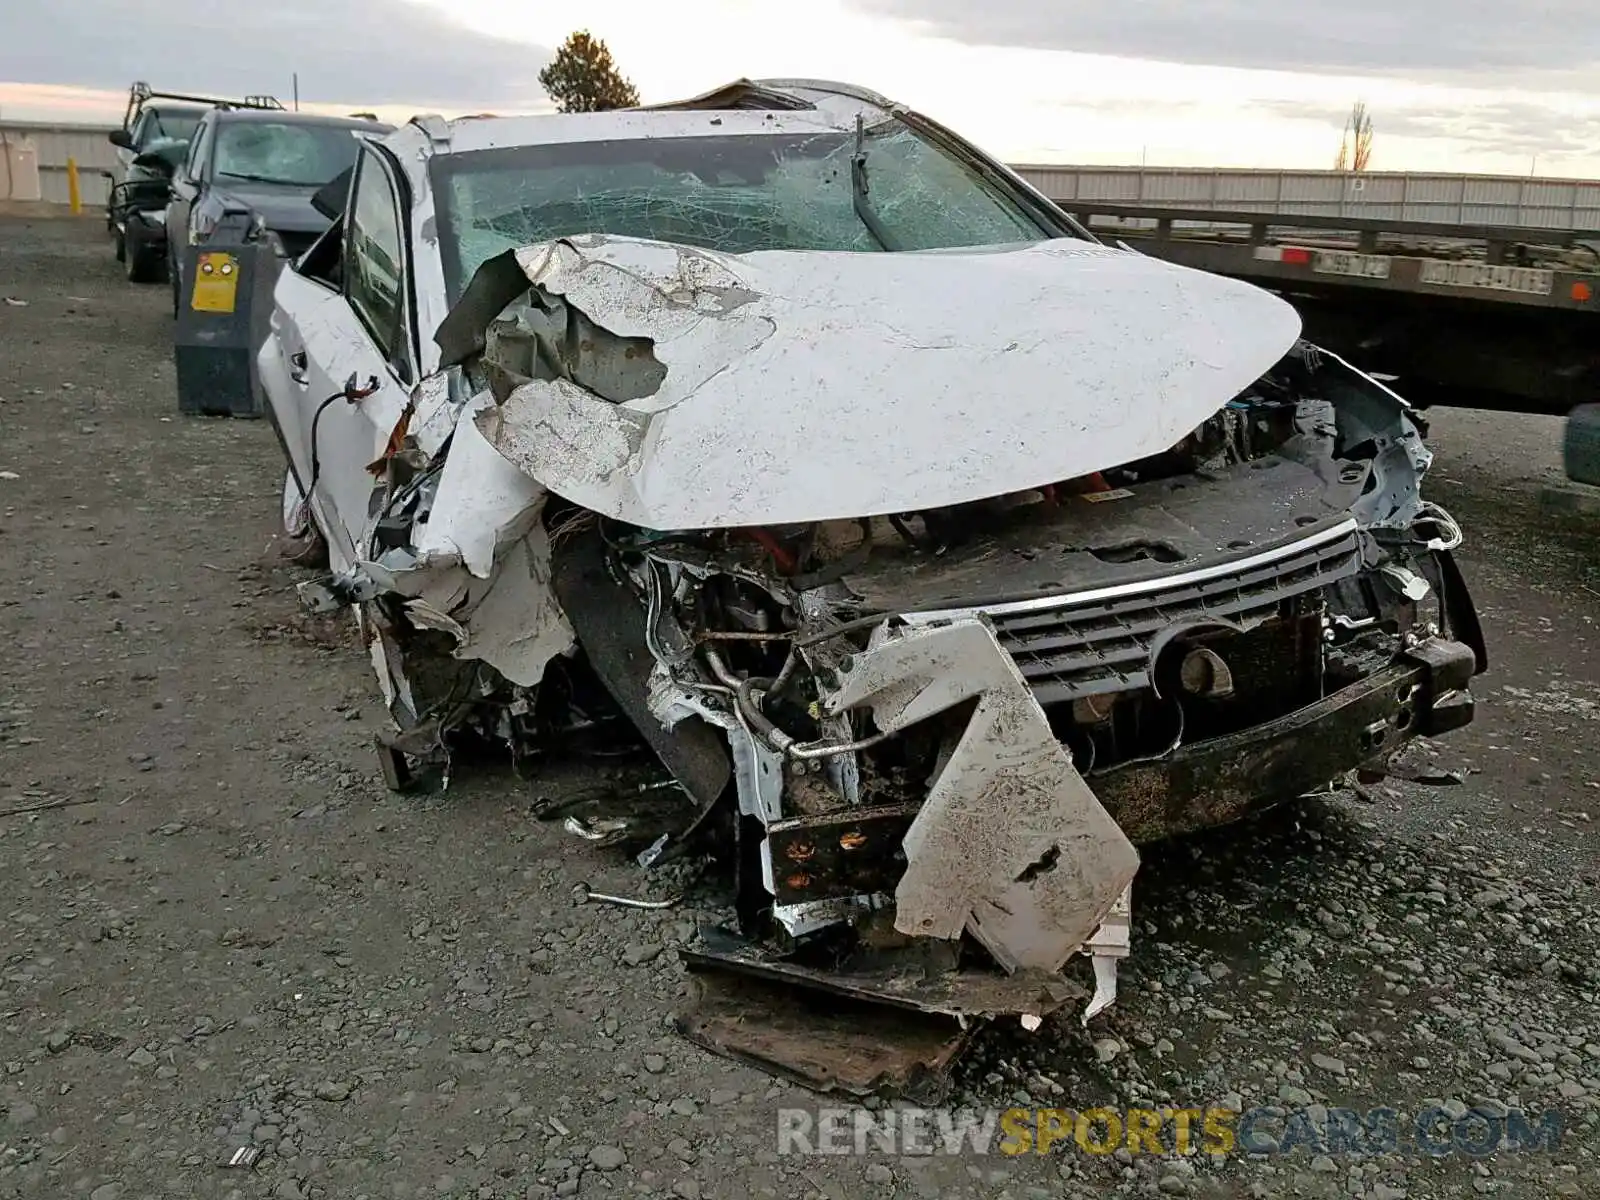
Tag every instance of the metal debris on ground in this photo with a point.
(242, 1159)
(586, 896)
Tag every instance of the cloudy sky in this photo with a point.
(1452, 84)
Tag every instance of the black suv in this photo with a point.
(258, 170)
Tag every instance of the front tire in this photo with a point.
(145, 263)
(1580, 450)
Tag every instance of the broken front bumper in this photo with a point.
(864, 1020)
(1215, 782)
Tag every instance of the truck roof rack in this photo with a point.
(142, 93)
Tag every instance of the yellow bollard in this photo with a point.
(73, 196)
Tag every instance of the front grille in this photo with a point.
(1099, 642)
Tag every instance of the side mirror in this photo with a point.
(331, 196)
(163, 157)
(120, 138)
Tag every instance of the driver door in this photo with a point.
(359, 332)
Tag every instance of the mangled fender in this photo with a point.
(483, 504)
(479, 565)
(1010, 845)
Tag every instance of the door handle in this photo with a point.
(297, 367)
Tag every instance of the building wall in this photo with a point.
(52, 145)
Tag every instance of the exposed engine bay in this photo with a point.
(924, 743)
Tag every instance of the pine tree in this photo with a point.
(582, 78)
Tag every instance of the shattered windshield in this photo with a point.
(283, 153)
(733, 194)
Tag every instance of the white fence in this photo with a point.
(51, 146)
(1501, 200)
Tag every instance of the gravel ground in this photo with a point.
(230, 934)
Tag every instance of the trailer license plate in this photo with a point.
(1530, 281)
(1345, 262)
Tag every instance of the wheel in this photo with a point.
(1581, 444)
(117, 242)
(177, 282)
(144, 262)
(303, 543)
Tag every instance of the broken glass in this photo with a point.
(732, 194)
(284, 153)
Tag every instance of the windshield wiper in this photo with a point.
(245, 175)
(858, 189)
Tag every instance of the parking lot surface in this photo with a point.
(218, 930)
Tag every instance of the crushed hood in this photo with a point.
(702, 390)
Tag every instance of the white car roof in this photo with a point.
(827, 107)
(741, 108)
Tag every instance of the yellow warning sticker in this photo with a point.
(216, 282)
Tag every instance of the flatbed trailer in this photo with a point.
(1493, 316)
(1510, 265)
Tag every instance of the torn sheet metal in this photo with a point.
(852, 1028)
(517, 626)
(1010, 845)
(1371, 413)
(511, 620)
(478, 567)
(386, 664)
(1108, 946)
(483, 504)
(989, 370)
(905, 984)
(856, 1050)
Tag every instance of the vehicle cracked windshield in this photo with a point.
(733, 194)
(281, 153)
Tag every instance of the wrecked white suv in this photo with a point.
(939, 552)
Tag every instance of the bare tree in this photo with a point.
(582, 78)
(1355, 147)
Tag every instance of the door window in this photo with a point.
(373, 262)
(198, 149)
(140, 133)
